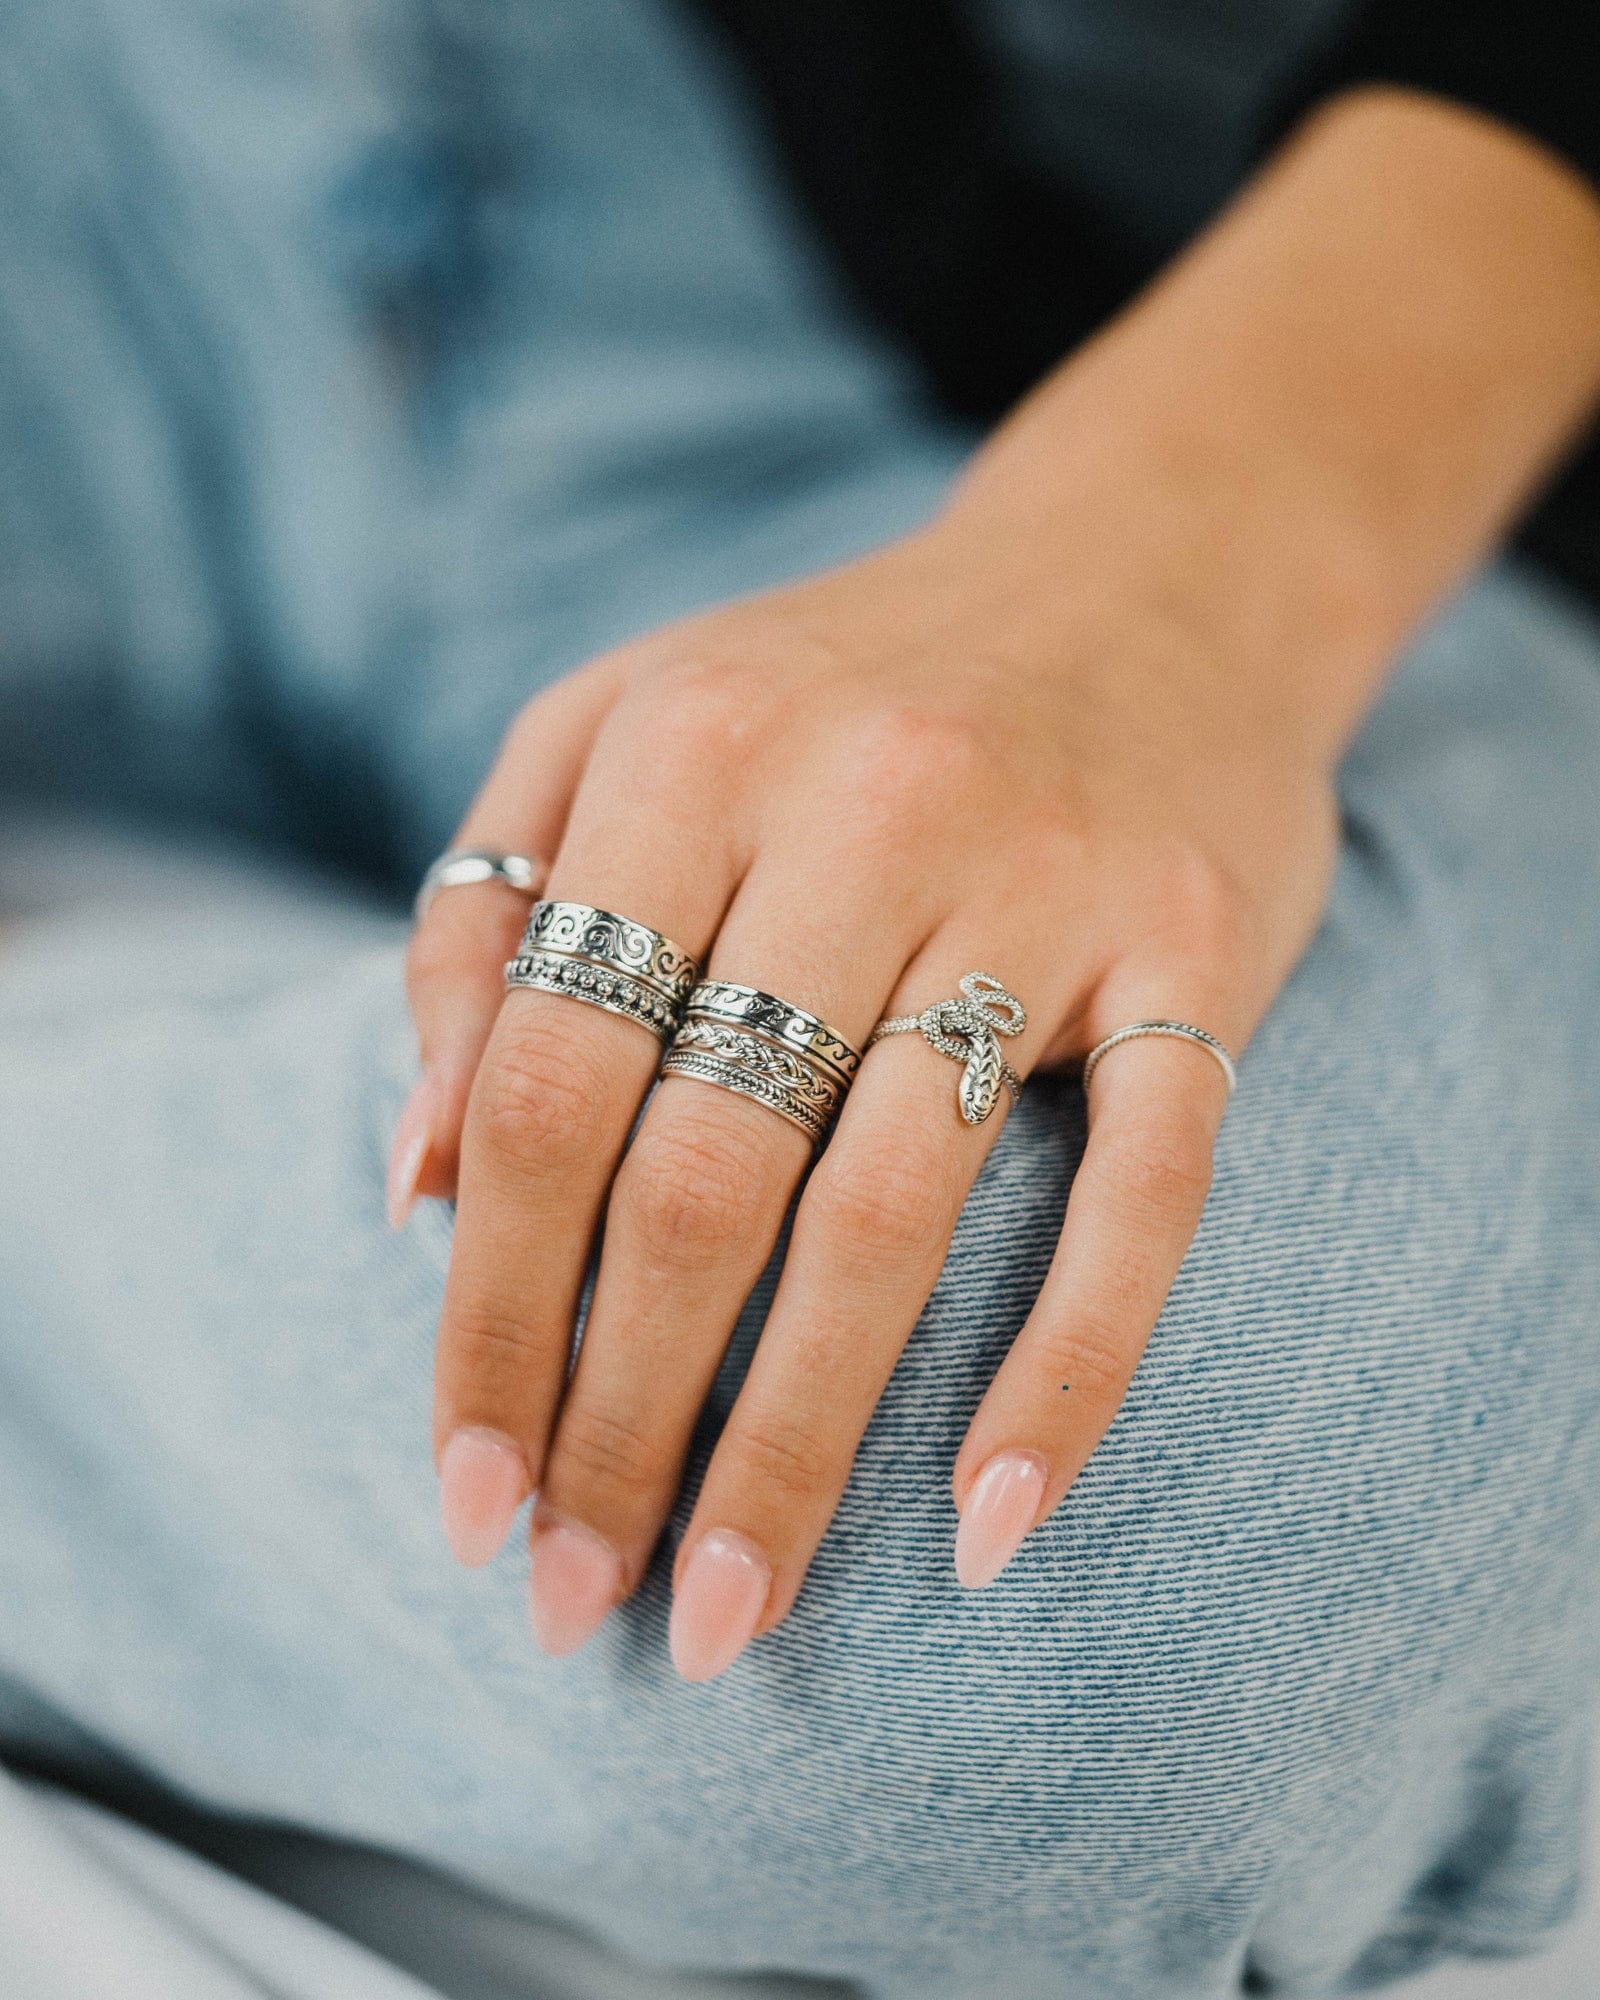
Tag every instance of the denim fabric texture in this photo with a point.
(362, 367)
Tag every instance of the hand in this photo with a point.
(1077, 735)
(850, 793)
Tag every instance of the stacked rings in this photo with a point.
(606, 960)
(763, 1048)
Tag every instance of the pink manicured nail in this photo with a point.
(573, 1581)
(718, 1604)
(413, 1134)
(483, 1480)
(1000, 1509)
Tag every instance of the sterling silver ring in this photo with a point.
(967, 1031)
(1180, 1030)
(607, 961)
(766, 1049)
(460, 867)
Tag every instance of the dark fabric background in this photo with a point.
(888, 115)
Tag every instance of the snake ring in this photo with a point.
(968, 1030)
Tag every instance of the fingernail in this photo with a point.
(573, 1581)
(483, 1480)
(715, 1610)
(413, 1134)
(999, 1511)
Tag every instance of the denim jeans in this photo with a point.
(341, 416)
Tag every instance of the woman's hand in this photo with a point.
(1077, 735)
(940, 760)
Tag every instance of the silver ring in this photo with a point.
(766, 1049)
(1179, 1029)
(966, 1030)
(460, 867)
(779, 1021)
(601, 986)
(606, 960)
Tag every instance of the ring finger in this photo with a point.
(869, 1240)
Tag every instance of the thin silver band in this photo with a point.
(745, 1081)
(1180, 1030)
(461, 867)
(966, 1030)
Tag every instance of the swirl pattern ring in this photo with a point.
(779, 1021)
(606, 961)
(578, 930)
(766, 1049)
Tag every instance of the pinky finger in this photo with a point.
(1135, 1204)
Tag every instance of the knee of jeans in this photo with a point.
(1336, 1499)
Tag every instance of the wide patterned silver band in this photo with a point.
(461, 867)
(766, 1049)
(1181, 1031)
(966, 1030)
(606, 960)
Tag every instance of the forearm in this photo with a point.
(1334, 402)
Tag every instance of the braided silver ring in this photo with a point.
(766, 1049)
(1180, 1030)
(460, 867)
(607, 961)
(966, 1030)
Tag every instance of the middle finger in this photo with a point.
(691, 1223)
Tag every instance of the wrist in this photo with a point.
(1327, 411)
(1191, 543)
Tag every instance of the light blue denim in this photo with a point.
(361, 368)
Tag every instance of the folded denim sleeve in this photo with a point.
(1536, 65)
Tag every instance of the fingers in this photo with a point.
(690, 1225)
(456, 960)
(558, 1088)
(1155, 1106)
(869, 1239)
(455, 982)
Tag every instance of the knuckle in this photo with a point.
(492, 1341)
(906, 758)
(1090, 1351)
(690, 1188)
(781, 1457)
(887, 1196)
(703, 705)
(1163, 1174)
(432, 959)
(1202, 904)
(597, 1450)
(538, 1099)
